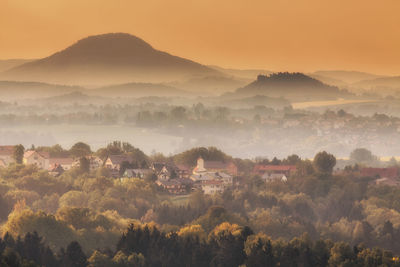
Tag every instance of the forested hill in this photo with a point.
(290, 85)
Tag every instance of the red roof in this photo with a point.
(274, 168)
(380, 172)
(6, 150)
(183, 167)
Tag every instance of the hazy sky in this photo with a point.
(302, 35)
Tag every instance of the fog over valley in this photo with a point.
(117, 85)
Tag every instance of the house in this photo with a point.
(114, 162)
(6, 155)
(210, 181)
(183, 171)
(212, 176)
(176, 186)
(261, 169)
(218, 166)
(392, 172)
(40, 159)
(201, 173)
(269, 177)
(136, 173)
(157, 166)
(65, 163)
(164, 171)
(94, 162)
(56, 169)
(212, 187)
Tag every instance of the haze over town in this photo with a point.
(199, 133)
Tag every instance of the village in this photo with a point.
(209, 176)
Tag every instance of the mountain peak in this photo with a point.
(104, 49)
(109, 58)
(111, 42)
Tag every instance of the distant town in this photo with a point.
(209, 176)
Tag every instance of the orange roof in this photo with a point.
(6, 150)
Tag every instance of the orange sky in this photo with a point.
(294, 35)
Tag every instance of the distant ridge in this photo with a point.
(19, 90)
(108, 58)
(248, 74)
(345, 76)
(384, 82)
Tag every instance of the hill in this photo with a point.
(109, 58)
(292, 86)
(346, 76)
(384, 82)
(328, 80)
(21, 90)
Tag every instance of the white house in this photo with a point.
(40, 159)
(212, 187)
(200, 174)
(269, 177)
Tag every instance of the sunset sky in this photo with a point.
(293, 35)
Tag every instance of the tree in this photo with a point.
(178, 113)
(99, 259)
(80, 149)
(150, 177)
(84, 165)
(362, 155)
(19, 153)
(56, 151)
(387, 228)
(259, 252)
(324, 162)
(292, 160)
(304, 168)
(74, 256)
(276, 161)
(189, 157)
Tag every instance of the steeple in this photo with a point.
(200, 166)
